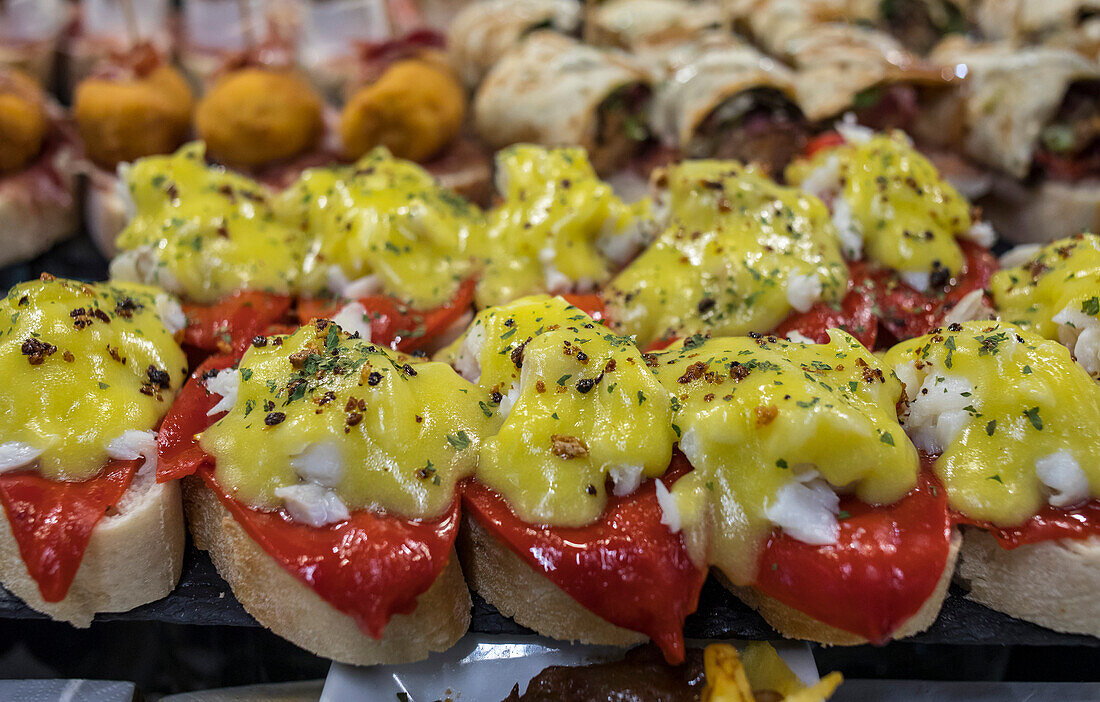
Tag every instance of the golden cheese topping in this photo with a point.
(205, 232)
(1016, 420)
(83, 364)
(559, 227)
(386, 220)
(894, 200)
(575, 405)
(1055, 292)
(323, 409)
(764, 422)
(740, 254)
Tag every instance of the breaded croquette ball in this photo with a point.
(22, 120)
(125, 119)
(255, 116)
(415, 109)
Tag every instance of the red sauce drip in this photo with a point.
(885, 565)
(395, 324)
(229, 326)
(626, 567)
(53, 520)
(1048, 524)
(370, 567)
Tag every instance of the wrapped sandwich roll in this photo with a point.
(920, 24)
(555, 91)
(38, 170)
(1024, 22)
(773, 24)
(718, 97)
(634, 24)
(484, 31)
(1048, 134)
(1012, 425)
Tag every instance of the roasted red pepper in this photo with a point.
(228, 326)
(1048, 524)
(855, 315)
(882, 569)
(395, 324)
(369, 567)
(626, 567)
(591, 304)
(53, 520)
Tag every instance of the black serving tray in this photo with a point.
(203, 598)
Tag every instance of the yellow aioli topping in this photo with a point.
(738, 249)
(1056, 292)
(558, 228)
(907, 215)
(1004, 406)
(82, 364)
(321, 407)
(755, 415)
(204, 232)
(575, 404)
(389, 220)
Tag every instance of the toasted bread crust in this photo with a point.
(133, 557)
(290, 609)
(792, 623)
(528, 597)
(1052, 583)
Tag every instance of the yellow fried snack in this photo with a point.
(123, 120)
(255, 116)
(758, 675)
(415, 109)
(22, 120)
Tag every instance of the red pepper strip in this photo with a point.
(370, 567)
(230, 325)
(627, 567)
(825, 140)
(1048, 524)
(393, 323)
(53, 520)
(856, 314)
(591, 304)
(886, 563)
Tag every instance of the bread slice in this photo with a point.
(1052, 583)
(134, 556)
(528, 597)
(792, 623)
(283, 604)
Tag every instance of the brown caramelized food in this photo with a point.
(22, 120)
(136, 111)
(414, 109)
(256, 116)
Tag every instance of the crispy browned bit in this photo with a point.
(274, 418)
(870, 375)
(609, 367)
(36, 350)
(582, 357)
(765, 415)
(47, 278)
(24, 300)
(80, 318)
(517, 354)
(496, 397)
(567, 447)
(692, 372)
(709, 397)
(158, 378)
(706, 305)
(172, 191)
(100, 315)
(298, 358)
(222, 231)
(126, 307)
(540, 386)
(326, 398)
(374, 378)
(268, 405)
(1036, 268)
(419, 419)
(586, 384)
(739, 371)
(650, 360)
(591, 489)
(409, 370)
(113, 353)
(259, 341)
(354, 418)
(68, 356)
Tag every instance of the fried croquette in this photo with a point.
(23, 122)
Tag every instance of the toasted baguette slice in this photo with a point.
(528, 597)
(134, 556)
(283, 604)
(1052, 583)
(792, 623)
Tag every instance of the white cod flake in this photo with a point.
(1020, 255)
(803, 291)
(320, 463)
(798, 337)
(981, 233)
(852, 131)
(972, 306)
(16, 454)
(806, 509)
(139, 265)
(848, 229)
(509, 400)
(556, 281)
(224, 383)
(937, 410)
(619, 247)
(133, 444)
(467, 361)
(313, 504)
(1063, 475)
(626, 478)
(340, 284)
(1080, 333)
(170, 313)
(352, 318)
(918, 280)
(670, 511)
